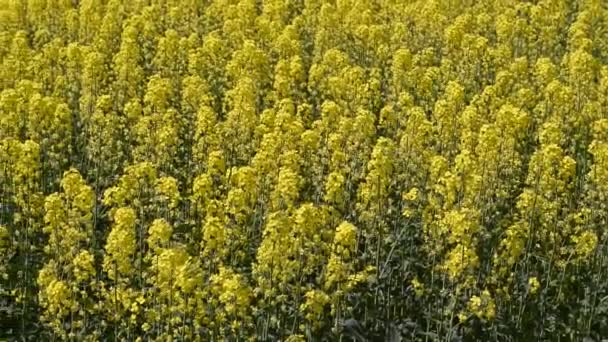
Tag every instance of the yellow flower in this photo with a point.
(411, 195)
(314, 304)
(232, 292)
(334, 188)
(4, 235)
(159, 233)
(346, 236)
(202, 188)
(83, 264)
(168, 190)
(214, 236)
(287, 188)
(585, 243)
(460, 259)
(475, 306)
(120, 245)
(533, 284)
(483, 306)
(169, 262)
(418, 287)
(216, 166)
(295, 338)
(490, 305)
(462, 317)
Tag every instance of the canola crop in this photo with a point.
(303, 170)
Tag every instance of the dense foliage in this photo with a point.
(304, 170)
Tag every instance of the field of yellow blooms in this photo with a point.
(304, 170)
